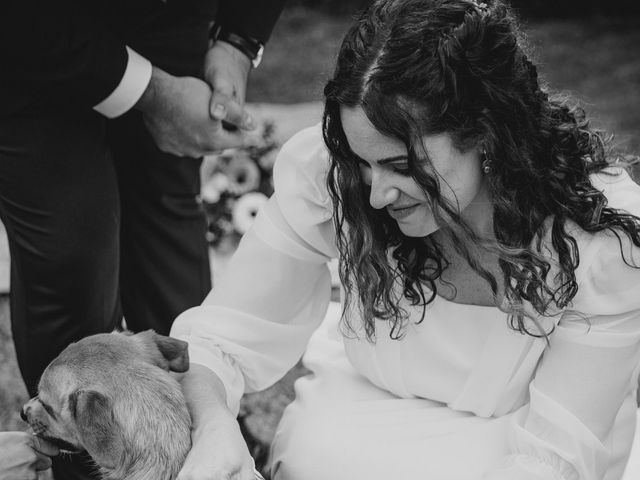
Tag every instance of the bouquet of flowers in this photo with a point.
(236, 183)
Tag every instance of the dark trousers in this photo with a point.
(101, 223)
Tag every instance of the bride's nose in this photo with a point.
(383, 191)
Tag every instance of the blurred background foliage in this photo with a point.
(534, 8)
(590, 51)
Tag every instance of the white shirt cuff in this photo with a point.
(211, 356)
(133, 84)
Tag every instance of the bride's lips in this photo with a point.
(399, 213)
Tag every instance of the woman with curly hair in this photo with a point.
(489, 248)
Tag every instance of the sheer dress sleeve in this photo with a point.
(581, 417)
(256, 322)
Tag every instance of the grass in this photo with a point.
(596, 60)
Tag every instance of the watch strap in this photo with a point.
(251, 47)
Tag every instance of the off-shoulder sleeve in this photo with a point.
(581, 417)
(256, 322)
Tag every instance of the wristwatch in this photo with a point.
(251, 47)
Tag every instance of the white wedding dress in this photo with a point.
(461, 396)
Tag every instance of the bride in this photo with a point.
(489, 255)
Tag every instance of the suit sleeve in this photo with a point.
(58, 49)
(254, 18)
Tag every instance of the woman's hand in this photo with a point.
(219, 453)
(22, 455)
(218, 450)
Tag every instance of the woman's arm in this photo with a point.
(255, 324)
(219, 451)
(582, 411)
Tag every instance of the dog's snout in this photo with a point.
(27, 408)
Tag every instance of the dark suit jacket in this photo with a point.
(71, 53)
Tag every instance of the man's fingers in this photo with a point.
(44, 447)
(224, 87)
(42, 462)
(223, 108)
(218, 111)
(224, 139)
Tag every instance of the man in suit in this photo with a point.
(106, 107)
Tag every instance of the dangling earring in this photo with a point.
(487, 165)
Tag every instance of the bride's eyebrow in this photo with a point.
(381, 161)
(384, 161)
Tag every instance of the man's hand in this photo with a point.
(22, 455)
(226, 70)
(176, 113)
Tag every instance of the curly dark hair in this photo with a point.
(421, 67)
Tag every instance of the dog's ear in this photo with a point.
(166, 352)
(93, 414)
(174, 351)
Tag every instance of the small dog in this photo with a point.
(112, 396)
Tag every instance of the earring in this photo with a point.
(487, 165)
